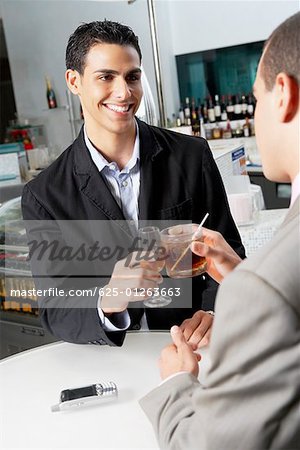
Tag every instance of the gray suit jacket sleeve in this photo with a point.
(252, 391)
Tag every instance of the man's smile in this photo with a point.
(118, 108)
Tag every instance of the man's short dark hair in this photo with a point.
(282, 52)
(89, 34)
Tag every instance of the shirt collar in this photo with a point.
(101, 162)
(295, 189)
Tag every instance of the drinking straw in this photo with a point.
(195, 235)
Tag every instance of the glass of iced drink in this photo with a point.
(180, 261)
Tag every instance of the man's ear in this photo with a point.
(73, 81)
(287, 97)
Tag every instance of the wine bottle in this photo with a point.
(181, 114)
(178, 122)
(195, 119)
(229, 108)
(205, 111)
(50, 95)
(250, 107)
(247, 128)
(237, 108)
(187, 111)
(244, 106)
(217, 109)
(202, 128)
(211, 111)
(227, 133)
(194, 111)
(223, 109)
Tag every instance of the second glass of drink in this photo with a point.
(181, 262)
(150, 241)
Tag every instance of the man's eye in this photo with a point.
(105, 77)
(133, 78)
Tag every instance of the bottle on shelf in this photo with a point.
(239, 131)
(250, 106)
(181, 114)
(193, 109)
(227, 133)
(217, 109)
(211, 111)
(229, 108)
(195, 119)
(208, 133)
(178, 122)
(51, 99)
(187, 112)
(237, 108)
(247, 128)
(223, 109)
(202, 127)
(204, 112)
(244, 106)
(217, 132)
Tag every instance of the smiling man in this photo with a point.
(110, 91)
(120, 169)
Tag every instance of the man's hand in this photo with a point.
(129, 283)
(197, 330)
(178, 357)
(221, 258)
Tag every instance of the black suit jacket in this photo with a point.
(179, 180)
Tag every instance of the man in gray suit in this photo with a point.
(251, 399)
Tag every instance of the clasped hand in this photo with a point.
(178, 357)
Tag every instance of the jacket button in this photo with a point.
(136, 326)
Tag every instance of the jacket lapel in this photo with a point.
(149, 149)
(93, 186)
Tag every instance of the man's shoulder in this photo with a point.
(281, 249)
(277, 263)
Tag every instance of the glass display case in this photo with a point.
(20, 327)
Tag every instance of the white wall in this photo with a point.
(202, 25)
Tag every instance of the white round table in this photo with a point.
(30, 383)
